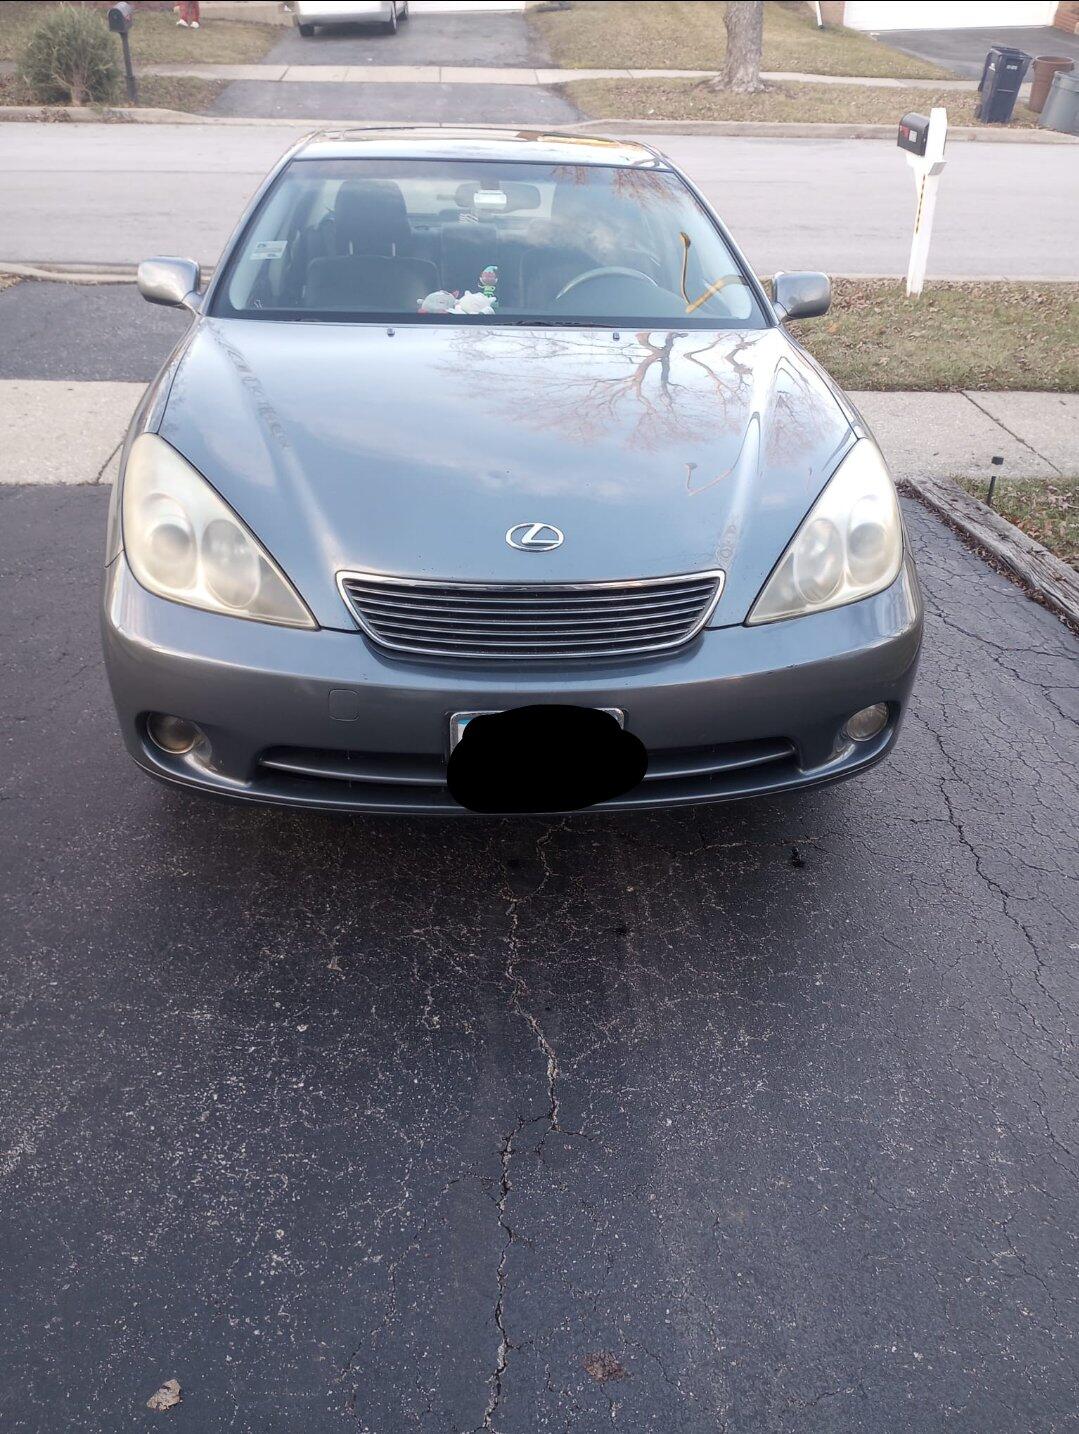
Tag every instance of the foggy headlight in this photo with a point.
(184, 542)
(849, 546)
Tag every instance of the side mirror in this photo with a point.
(801, 296)
(174, 282)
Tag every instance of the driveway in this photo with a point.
(757, 1117)
(426, 39)
(461, 38)
(963, 51)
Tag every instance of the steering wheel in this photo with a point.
(605, 273)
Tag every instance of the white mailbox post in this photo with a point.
(923, 138)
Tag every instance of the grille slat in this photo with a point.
(544, 622)
(541, 612)
(677, 620)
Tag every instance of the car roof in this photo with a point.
(519, 146)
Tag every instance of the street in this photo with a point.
(761, 1113)
(1004, 209)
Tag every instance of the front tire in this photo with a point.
(306, 31)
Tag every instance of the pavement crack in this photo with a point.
(1010, 432)
(505, 1185)
(102, 470)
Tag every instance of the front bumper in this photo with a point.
(325, 719)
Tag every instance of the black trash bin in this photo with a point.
(1002, 78)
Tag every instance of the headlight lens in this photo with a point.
(184, 542)
(850, 545)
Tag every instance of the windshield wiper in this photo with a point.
(560, 323)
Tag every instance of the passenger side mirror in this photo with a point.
(174, 282)
(801, 296)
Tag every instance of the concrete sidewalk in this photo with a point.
(56, 431)
(510, 75)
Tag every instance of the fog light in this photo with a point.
(867, 723)
(172, 734)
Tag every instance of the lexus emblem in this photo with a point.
(535, 537)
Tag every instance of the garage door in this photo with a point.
(417, 7)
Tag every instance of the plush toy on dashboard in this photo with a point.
(470, 303)
(440, 302)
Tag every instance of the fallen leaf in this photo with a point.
(167, 1397)
(603, 1366)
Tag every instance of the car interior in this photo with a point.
(369, 244)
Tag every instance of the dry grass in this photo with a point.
(1047, 509)
(956, 336)
(805, 104)
(667, 35)
(167, 92)
(155, 38)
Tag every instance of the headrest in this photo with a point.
(370, 217)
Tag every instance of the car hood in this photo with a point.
(414, 452)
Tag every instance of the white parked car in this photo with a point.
(306, 14)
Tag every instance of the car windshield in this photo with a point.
(467, 241)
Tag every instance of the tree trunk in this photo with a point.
(741, 71)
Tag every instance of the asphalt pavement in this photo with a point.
(428, 38)
(69, 331)
(1004, 209)
(964, 51)
(756, 1118)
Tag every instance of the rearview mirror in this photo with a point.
(801, 296)
(174, 282)
(509, 196)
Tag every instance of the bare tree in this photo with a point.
(741, 71)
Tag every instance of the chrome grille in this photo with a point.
(531, 621)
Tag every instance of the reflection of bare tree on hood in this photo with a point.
(664, 385)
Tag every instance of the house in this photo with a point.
(950, 14)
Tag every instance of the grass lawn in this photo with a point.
(1047, 509)
(669, 35)
(956, 336)
(166, 92)
(806, 104)
(155, 38)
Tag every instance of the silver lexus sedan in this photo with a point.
(487, 477)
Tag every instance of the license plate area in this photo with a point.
(460, 720)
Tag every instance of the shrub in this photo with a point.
(70, 59)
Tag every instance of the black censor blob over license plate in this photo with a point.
(544, 758)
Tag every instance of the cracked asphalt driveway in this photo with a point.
(747, 1118)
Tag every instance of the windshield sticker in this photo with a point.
(269, 249)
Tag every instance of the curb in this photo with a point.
(73, 273)
(1048, 579)
(779, 129)
(735, 129)
(65, 273)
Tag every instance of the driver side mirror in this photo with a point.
(801, 296)
(174, 282)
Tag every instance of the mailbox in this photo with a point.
(923, 137)
(120, 17)
(913, 133)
